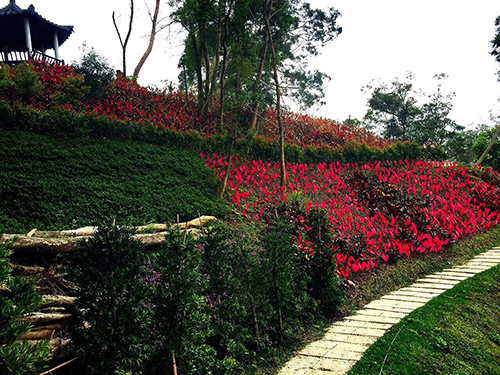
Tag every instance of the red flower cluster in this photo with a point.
(377, 211)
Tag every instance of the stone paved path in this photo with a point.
(346, 340)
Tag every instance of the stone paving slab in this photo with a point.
(407, 299)
(358, 324)
(467, 270)
(473, 268)
(444, 282)
(395, 303)
(343, 354)
(487, 257)
(345, 341)
(426, 286)
(406, 293)
(397, 309)
(487, 261)
(332, 342)
(371, 332)
(329, 367)
(382, 313)
(376, 319)
(463, 275)
(447, 277)
(316, 351)
(426, 289)
(336, 338)
(386, 307)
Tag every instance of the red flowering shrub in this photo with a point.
(172, 110)
(126, 100)
(306, 131)
(377, 211)
(44, 86)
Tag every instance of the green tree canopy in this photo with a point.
(495, 44)
(492, 159)
(227, 45)
(399, 111)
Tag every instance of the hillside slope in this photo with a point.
(60, 183)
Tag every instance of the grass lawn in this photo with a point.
(455, 333)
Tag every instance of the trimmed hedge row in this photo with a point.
(64, 122)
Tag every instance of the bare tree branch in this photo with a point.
(154, 22)
(124, 43)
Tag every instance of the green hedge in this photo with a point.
(63, 122)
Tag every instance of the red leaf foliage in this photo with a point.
(378, 211)
(127, 100)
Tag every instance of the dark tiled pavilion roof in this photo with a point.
(42, 30)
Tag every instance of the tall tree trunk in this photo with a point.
(144, 57)
(223, 70)
(206, 94)
(199, 75)
(485, 153)
(214, 71)
(253, 121)
(266, 11)
(124, 43)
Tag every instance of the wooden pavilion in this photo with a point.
(26, 35)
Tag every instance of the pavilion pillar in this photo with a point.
(56, 45)
(27, 33)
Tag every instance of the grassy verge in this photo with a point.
(455, 333)
(53, 183)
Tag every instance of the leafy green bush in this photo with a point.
(5, 83)
(176, 290)
(287, 280)
(436, 153)
(113, 332)
(325, 284)
(459, 146)
(257, 291)
(26, 83)
(17, 299)
(71, 92)
(218, 303)
(228, 262)
(97, 74)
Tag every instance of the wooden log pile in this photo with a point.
(58, 242)
(35, 256)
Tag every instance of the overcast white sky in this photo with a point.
(381, 39)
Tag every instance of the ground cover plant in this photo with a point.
(378, 212)
(455, 333)
(54, 183)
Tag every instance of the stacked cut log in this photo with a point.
(35, 257)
